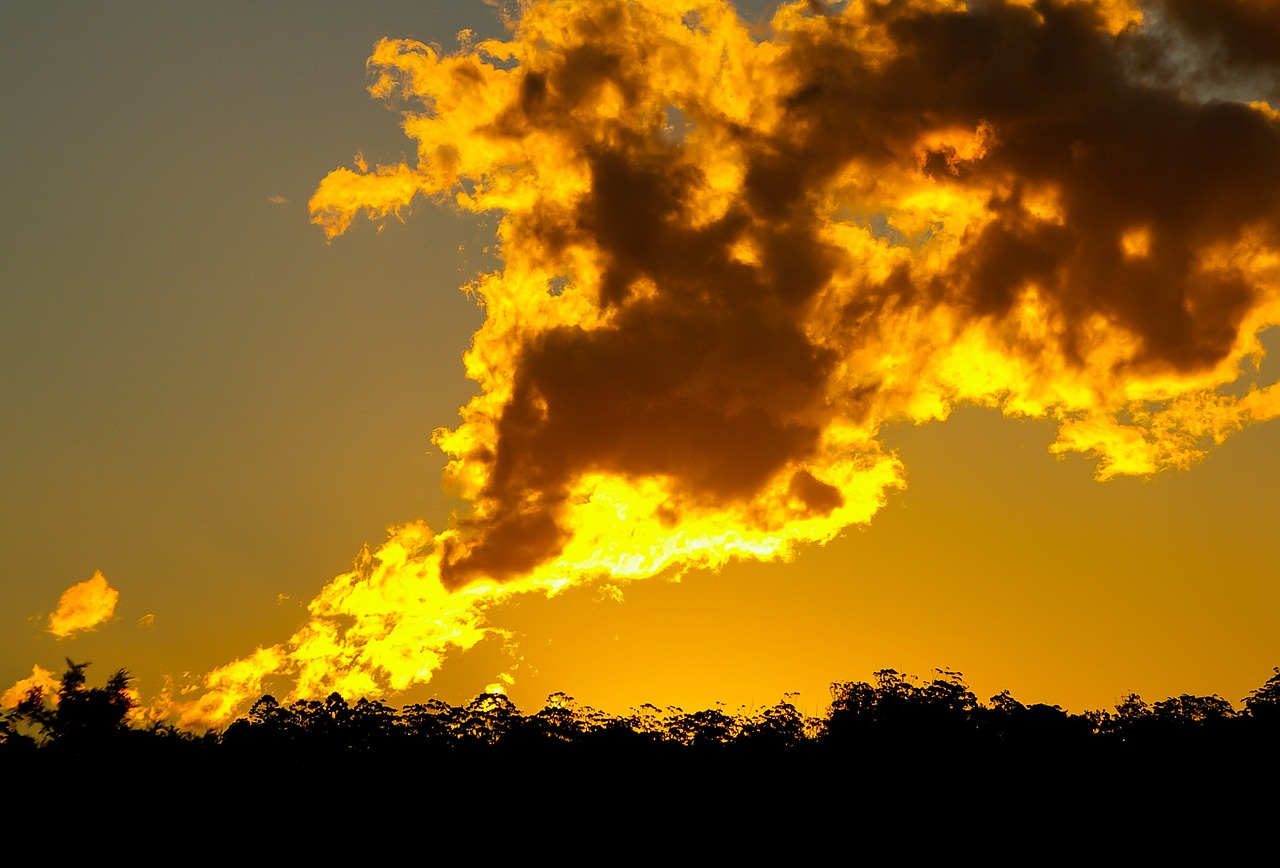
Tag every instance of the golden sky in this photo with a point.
(904, 336)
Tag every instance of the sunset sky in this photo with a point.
(212, 403)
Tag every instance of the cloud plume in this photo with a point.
(732, 256)
(40, 679)
(83, 607)
(1239, 33)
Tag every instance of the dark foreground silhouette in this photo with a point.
(893, 712)
(895, 744)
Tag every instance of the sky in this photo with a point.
(219, 390)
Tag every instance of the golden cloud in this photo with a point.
(40, 679)
(83, 607)
(731, 258)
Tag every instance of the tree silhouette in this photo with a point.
(897, 710)
(779, 726)
(77, 713)
(488, 719)
(895, 732)
(1263, 704)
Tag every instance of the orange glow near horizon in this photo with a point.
(730, 260)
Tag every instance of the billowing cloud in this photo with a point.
(83, 607)
(731, 258)
(1241, 33)
(40, 679)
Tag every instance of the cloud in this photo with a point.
(880, 212)
(40, 679)
(730, 258)
(83, 607)
(1242, 33)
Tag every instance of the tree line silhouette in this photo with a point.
(888, 716)
(896, 762)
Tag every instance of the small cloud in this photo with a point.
(609, 592)
(39, 678)
(147, 620)
(277, 199)
(280, 598)
(83, 606)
